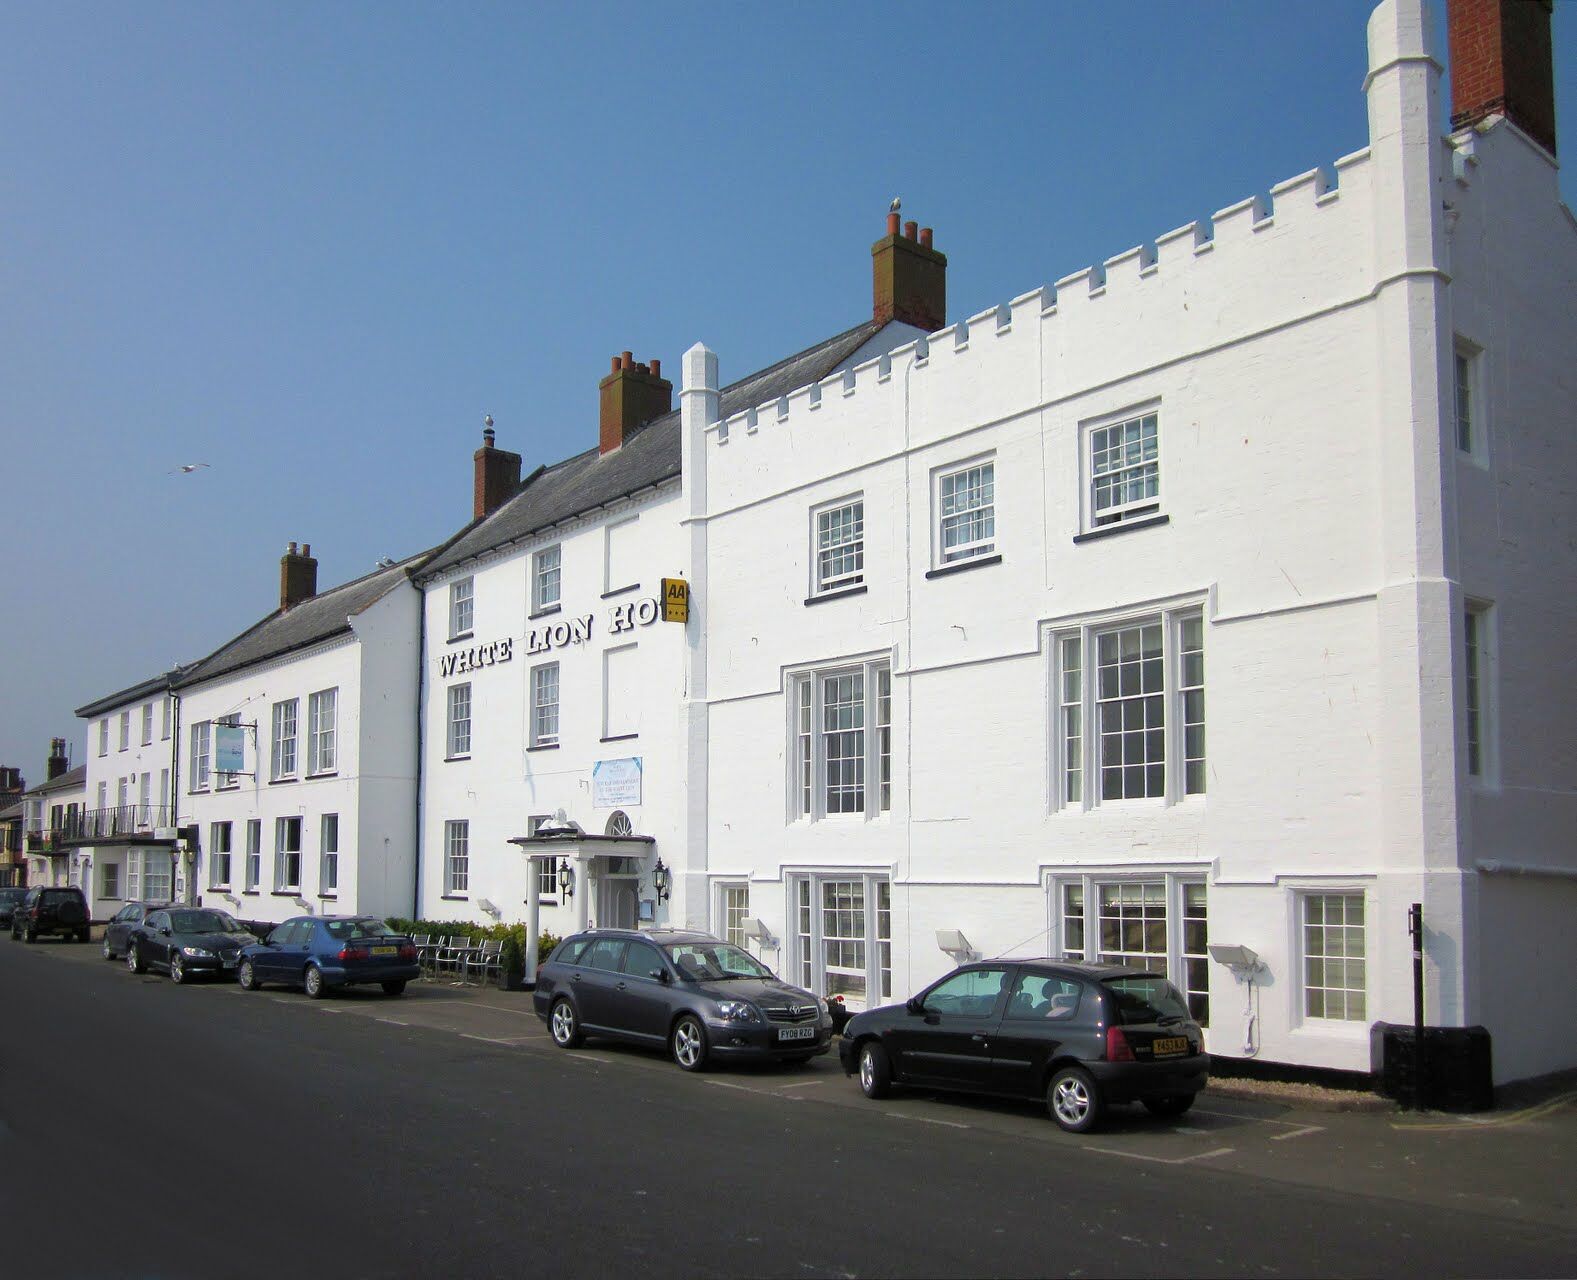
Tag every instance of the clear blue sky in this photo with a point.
(312, 244)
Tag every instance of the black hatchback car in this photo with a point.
(703, 998)
(1080, 1036)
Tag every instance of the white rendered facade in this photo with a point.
(1236, 449)
(127, 838)
(322, 819)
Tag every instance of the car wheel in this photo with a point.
(108, 953)
(177, 968)
(246, 977)
(876, 1071)
(30, 935)
(316, 987)
(1074, 1100)
(134, 960)
(1173, 1104)
(688, 1043)
(564, 1025)
(395, 988)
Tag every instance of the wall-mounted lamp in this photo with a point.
(566, 878)
(956, 945)
(488, 907)
(751, 927)
(662, 881)
(1235, 957)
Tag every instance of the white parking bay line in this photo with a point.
(745, 1088)
(951, 1124)
(1298, 1133)
(1135, 1155)
(394, 1022)
(801, 1084)
(510, 1041)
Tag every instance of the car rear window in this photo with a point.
(340, 929)
(54, 896)
(1141, 1000)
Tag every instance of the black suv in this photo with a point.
(46, 911)
(1081, 1036)
(703, 998)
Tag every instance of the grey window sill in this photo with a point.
(840, 594)
(621, 591)
(545, 613)
(546, 746)
(1122, 526)
(619, 737)
(464, 635)
(960, 566)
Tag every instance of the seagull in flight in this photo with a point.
(186, 468)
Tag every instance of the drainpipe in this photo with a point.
(421, 716)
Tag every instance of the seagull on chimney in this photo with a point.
(895, 205)
(186, 468)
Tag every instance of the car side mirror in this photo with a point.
(660, 974)
(913, 1005)
(165, 932)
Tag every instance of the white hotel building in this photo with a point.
(1221, 593)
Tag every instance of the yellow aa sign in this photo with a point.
(676, 600)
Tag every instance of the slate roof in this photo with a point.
(77, 777)
(648, 457)
(136, 693)
(326, 614)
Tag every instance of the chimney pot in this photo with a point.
(925, 237)
(626, 359)
(657, 368)
(910, 230)
(615, 368)
(892, 224)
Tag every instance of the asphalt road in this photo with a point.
(148, 1130)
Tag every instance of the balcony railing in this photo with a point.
(98, 824)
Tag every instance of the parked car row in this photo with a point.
(1081, 1037)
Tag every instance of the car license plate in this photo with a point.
(229, 962)
(797, 1033)
(385, 951)
(1170, 1044)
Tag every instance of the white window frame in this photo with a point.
(1467, 357)
(462, 608)
(323, 732)
(807, 949)
(823, 584)
(253, 870)
(942, 556)
(285, 747)
(547, 869)
(219, 854)
(1480, 682)
(1301, 1018)
(147, 724)
(104, 736)
(457, 726)
(457, 858)
(1172, 619)
(547, 575)
(727, 916)
(541, 733)
(125, 730)
(133, 875)
(283, 882)
(164, 718)
(202, 755)
(1090, 880)
(1129, 509)
(328, 855)
(810, 803)
(109, 881)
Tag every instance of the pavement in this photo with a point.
(443, 1133)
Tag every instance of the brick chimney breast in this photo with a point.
(298, 576)
(908, 278)
(58, 761)
(496, 476)
(629, 396)
(1502, 63)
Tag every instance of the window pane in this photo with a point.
(840, 546)
(967, 510)
(1132, 708)
(1334, 966)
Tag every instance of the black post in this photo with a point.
(1415, 927)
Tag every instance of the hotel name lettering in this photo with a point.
(622, 618)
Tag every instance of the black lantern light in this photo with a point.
(662, 881)
(566, 878)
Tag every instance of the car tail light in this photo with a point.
(408, 951)
(354, 953)
(1117, 1047)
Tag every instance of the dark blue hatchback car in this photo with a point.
(318, 953)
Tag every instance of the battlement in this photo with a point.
(1254, 264)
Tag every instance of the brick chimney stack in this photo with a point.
(298, 576)
(631, 395)
(908, 278)
(1502, 64)
(497, 476)
(58, 761)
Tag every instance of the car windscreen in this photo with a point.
(1141, 1000)
(714, 961)
(359, 929)
(203, 922)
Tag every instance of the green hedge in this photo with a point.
(482, 932)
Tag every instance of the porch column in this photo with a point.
(582, 893)
(533, 916)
